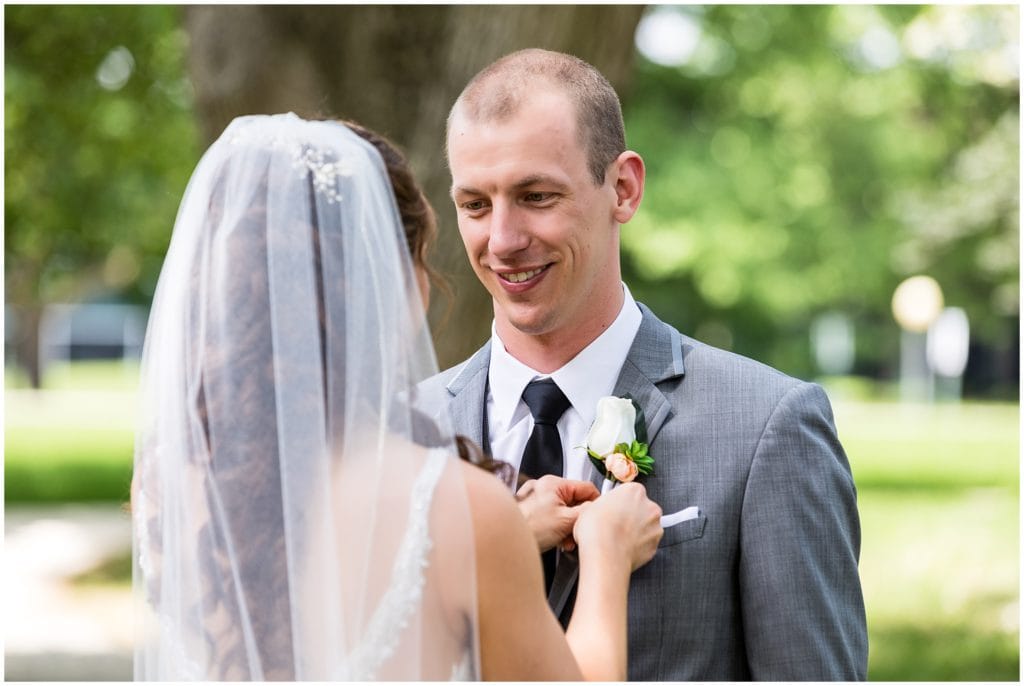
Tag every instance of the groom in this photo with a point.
(761, 581)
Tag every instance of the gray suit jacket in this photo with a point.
(764, 583)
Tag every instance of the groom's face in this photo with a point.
(541, 235)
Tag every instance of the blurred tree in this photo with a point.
(397, 70)
(809, 158)
(98, 144)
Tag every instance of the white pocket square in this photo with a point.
(679, 517)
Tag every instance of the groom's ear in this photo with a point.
(627, 175)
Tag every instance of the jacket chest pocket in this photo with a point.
(684, 531)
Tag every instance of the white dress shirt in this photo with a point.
(585, 379)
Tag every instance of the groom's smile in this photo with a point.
(521, 280)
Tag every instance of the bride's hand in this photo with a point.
(550, 505)
(623, 524)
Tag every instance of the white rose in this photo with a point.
(615, 423)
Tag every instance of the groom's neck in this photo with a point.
(549, 350)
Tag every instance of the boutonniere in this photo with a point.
(617, 441)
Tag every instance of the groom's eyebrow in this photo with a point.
(464, 190)
(525, 182)
(538, 180)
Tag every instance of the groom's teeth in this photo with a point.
(519, 277)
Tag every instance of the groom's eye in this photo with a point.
(537, 196)
(473, 205)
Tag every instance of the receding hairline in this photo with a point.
(499, 91)
(509, 104)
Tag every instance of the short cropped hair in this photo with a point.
(497, 91)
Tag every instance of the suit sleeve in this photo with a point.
(803, 609)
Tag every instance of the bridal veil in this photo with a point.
(294, 517)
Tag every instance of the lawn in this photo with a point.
(940, 513)
(72, 441)
(938, 490)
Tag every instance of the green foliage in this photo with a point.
(93, 173)
(794, 169)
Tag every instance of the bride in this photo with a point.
(294, 516)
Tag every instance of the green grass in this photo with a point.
(115, 571)
(938, 493)
(66, 464)
(73, 441)
(87, 375)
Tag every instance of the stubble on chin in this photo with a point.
(518, 319)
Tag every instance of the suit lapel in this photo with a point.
(633, 383)
(469, 395)
(655, 356)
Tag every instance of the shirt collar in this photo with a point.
(585, 379)
(507, 379)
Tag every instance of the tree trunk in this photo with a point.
(26, 342)
(397, 70)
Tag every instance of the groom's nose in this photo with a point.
(508, 233)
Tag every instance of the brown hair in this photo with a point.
(418, 217)
(472, 453)
(420, 224)
(498, 90)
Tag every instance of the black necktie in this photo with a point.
(543, 453)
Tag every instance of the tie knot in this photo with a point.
(546, 401)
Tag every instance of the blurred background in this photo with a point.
(833, 190)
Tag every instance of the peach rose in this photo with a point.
(621, 467)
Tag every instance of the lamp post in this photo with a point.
(916, 303)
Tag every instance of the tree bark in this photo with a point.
(397, 70)
(26, 342)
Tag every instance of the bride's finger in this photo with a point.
(577, 492)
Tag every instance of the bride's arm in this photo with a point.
(520, 638)
(616, 535)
